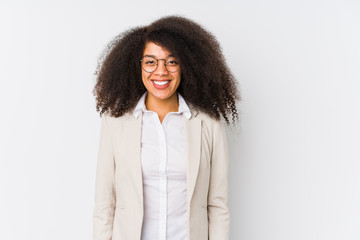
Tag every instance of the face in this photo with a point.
(160, 84)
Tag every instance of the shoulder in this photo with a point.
(117, 121)
(210, 125)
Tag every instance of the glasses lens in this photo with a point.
(149, 64)
(172, 65)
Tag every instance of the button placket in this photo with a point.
(163, 177)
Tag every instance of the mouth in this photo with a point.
(161, 84)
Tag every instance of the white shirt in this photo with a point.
(163, 158)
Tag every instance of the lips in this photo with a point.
(160, 84)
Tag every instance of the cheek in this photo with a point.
(178, 78)
(144, 77)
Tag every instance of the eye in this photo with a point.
(172, 62)
(149, 62)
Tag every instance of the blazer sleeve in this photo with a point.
(218, 211)
(105, 200)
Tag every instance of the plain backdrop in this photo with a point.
(294, 158)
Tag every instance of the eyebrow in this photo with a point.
(146, 55)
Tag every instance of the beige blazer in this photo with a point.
(118, 212)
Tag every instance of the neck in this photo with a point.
(162, 106)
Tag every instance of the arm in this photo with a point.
(104, 186)
(218, 211)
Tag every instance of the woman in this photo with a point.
(163, 158)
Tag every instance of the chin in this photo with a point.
(161, 94)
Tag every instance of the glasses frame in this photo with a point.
(157, 64)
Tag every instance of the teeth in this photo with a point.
(161, 82)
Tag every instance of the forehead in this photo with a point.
(156, 50)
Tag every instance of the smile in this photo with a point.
(161, 84)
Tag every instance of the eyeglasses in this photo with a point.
(149, 64)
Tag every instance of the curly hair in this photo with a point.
(206, 82)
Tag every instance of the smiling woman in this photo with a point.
(162, 170)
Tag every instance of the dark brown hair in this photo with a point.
(206, 82)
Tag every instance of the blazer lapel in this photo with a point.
(192, 129)
(133, 146)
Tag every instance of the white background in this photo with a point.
(295, 160)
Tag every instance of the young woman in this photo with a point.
(162, 165)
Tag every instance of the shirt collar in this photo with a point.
(141, 107)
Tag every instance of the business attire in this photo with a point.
(161, 181)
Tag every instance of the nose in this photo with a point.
(161, 69)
